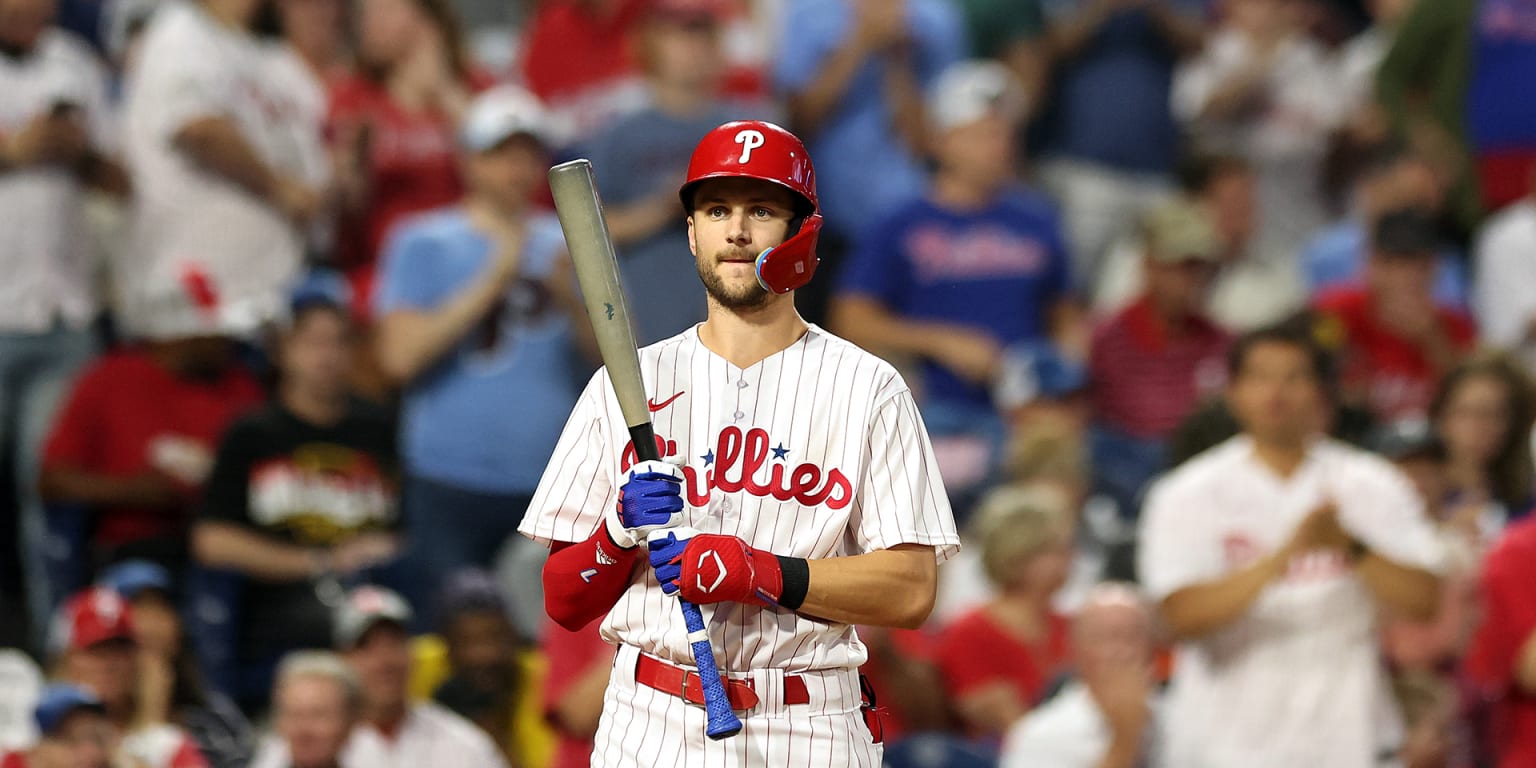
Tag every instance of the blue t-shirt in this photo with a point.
(863, 168)
(1111, 103)
(486, 417)
(1336, 257)
(633, 159)
(1501, 99)
(997, 270)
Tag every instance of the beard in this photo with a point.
(749, 296)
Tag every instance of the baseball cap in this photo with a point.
(131, 577)
(364, 608)
(470, 590)
(1405, 233)
(1180, 230)
(501, 113)
(970, 90)
(59, 700)
(95, 615)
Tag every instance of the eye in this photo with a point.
(717, 212)
(761, 212)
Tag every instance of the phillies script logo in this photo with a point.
(733, 466)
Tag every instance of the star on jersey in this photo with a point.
(780, 452)
(709, 458)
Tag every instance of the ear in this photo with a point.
(693, 242)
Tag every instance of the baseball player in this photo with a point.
(798, 476)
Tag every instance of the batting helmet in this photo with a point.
(753, 149)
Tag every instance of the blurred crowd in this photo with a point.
(289, 331)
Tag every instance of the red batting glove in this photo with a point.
(717, 568)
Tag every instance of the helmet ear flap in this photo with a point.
(792, 263)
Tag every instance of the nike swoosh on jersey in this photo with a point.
(655, 406)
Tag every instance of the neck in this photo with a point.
(226, 13)
(1466, 475)
(387, 718)
(745, 337)
(1170, 314)
(320, 59)
(1022, 610)
(1282, 455)
(679, 99)
(314, 406)
(952, 191)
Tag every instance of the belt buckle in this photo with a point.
(683, 689)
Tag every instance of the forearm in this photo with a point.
(1525, 666)
(410, 341)
(71, 485)
(1123, 752)
(581, 706)
(889, 588)
(216, 144)
(1203, 608)
(866, 323)
(809, 108)
(904, 97)
(232, 547)
(629, 224)
(1406, 591)
(1234, 94)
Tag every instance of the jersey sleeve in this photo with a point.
(1176, 549)
(1378, 506)
(405, 275)
(226, 497)
(187, 81)
(578, 482)
(901, 498)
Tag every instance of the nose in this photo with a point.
(736, 230)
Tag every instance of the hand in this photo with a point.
(650, 499)
(363, 551)
(1320, 529)
(48, 139)
(972, 355)
(709, 568)
(151, 489)
(881, 24)
(156, 679)
(298, 202)
(1121, 688)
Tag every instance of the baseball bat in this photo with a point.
(580, 211)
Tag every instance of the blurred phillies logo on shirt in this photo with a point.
(200, 289)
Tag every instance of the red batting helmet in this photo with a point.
(753, 149)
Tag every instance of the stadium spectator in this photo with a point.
(304, 63)
(392, 126)
(1271, 556)
(1110, 142)
(906, 680)
(1393, 340)
(1482, 415)
(998, 659)
(1392, 180)
(95, 647)
(484, 681)
(21, 683)
(1155, 360)
(480, 323)
(315, 34)
(74, 732)
(1502, 658)
(55, 139)
(1505, 289)
(1263, 89)
(370, 634)
(853, 74)
(954, 275)
(134, 443)
(167, 662)
(1255, 286)
(579, 58)
(1454, 82)
(639, 162)
(1358, 62)
(579, 666)
(220, 182)
(1010, 31)
(303, 491)
(317, 701)
(1104, 717)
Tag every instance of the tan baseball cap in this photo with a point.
(1180, 230)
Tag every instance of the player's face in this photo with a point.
(507, 175)
(312, 719)
(382, 660)
(1276, 395)
(733, 221)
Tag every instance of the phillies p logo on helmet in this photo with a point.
(749, 140)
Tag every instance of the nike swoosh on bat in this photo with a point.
(655, 406)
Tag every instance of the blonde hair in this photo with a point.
(1013, 523)
(1047, 447)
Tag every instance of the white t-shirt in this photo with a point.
(187, 218)
(1068, 731)
(816, 451)
(1297, 680)
(45, 252)
(21, 683)
(1504, 294)
(430, 736)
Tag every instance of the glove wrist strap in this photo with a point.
(796, 573)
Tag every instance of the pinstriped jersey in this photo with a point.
(816, 451)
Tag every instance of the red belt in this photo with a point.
(685, 684)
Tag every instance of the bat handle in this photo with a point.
(723, 723)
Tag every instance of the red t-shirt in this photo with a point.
(123, 410)
(571, 655)
(914, 644)
(1392, 373)
(570, 49)
(14, 760)
(411, 167)
(974, 651)
(1144, 380)
(1509, 618)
